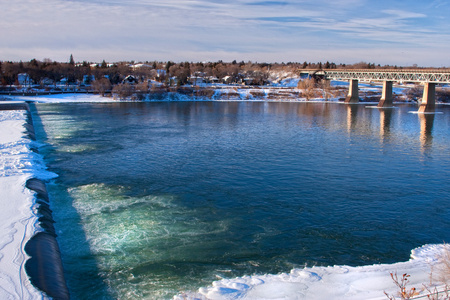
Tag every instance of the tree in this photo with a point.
(414, 93)
(71, 61)
(168, 65)
(123, 90)
(101, 86)
(308, 86)
(325, 86)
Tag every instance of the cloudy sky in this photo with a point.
(397, 32)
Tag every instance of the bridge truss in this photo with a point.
(431, 76)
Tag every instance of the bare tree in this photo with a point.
(123, 90)
(307, 86)
(101, 86)
(327, 90)
(414, 93)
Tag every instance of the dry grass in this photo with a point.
(437, 289)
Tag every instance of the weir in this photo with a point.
(44, 266)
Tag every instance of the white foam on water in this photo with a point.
(129, 232)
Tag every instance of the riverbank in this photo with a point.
(28, 248)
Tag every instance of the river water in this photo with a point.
(156, 199)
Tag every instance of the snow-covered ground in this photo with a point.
(62, 98)
(334, 282)
(18, 223)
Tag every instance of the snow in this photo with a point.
(17, 219)
(64, 98)
(334, 282)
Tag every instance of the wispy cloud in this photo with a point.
(402, 14)
(242, 29)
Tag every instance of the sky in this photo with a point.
(395, 32)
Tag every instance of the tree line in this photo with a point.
(156, 70)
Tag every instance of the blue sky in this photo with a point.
(396, 32)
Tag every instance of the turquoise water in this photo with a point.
(155, 199)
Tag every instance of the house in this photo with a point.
(87, 79)
(130, 79)
(63, 82)
(227, 80)
(196, 80)
(161, 73)
(47, 81)
(249, 81)
(212, 79)
(24, 79)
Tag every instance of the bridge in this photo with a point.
(427, 77)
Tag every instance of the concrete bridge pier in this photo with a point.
(429, 98)
(353, 92)
(386, 95)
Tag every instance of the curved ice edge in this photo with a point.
(387, 107)
(44, 267)
(426, 113)
(332, 282)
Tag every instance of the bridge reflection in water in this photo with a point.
(386, 124)
(426, 129)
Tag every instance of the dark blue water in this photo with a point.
(154, 199)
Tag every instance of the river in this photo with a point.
(155, 199)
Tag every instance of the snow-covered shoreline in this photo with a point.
(18, 219)
(333, 282)
(19, 223)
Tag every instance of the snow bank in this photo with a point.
(337, 282)
(64, 98)
(17, 218)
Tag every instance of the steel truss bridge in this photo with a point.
(429, 77)
(433, 76)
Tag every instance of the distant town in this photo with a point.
(137, 80)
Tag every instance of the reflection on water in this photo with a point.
(385, 123)
(165, 197)
(352, 112)
(426, 130)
